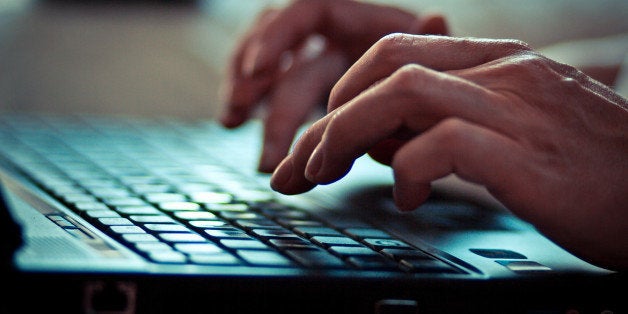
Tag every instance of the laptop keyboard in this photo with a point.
(168, 191)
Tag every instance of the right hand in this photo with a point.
(291, 57)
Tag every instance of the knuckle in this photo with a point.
(408, 79)
(335, 125)
(452, 132)
(387, 48)
(530, 66)
(515, 45)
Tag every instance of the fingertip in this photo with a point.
(281, 176)
(409, 197)
(230, 120)
(435, 24)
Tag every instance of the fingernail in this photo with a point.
(251, 60)
(314, 165)
(282, 174)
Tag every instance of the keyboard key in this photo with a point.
(152, 246)
(257, 223)
(139, 237)
(167, 257)
(164, 197)
(86, 206)
(210, 197)
(422, 265)
(151, 218)
(117, 221)
(166, 227)
(291, 243)
(125, 201)
(227, 233)
(243, 244)
(329, 241)
(197, 248)
(214, 259)
(127, 229)
(178, 206)
(101, 214)
(236, 207)
(182, 237)
(367, 233)
(137, 210)
(195, 215)
(353, 251)
(240, 216)
(316, 258)
(317, 231)
(202, 224)
(372, 262)
(274, 233)
(264, 258)
(254, 195)
(150, 188)
(398, 254)
(379, 244)
(293, 223)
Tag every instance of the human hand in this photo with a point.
(546, 140)
(291, 57)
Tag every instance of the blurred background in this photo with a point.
(168, 57)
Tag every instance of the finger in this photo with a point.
(300, 91)
(434, 24)
(411, 100)
(242, 96)
(240, 93)
(340, 20)
(474, 153)
(288, 178)
(435, 52)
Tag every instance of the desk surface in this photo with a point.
(165, 59)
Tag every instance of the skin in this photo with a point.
(544, 138)
(291, 94)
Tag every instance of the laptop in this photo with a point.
(122, 214)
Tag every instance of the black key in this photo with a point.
(398, 254)
(372, 262)
(274, 233)
(316, 258)
(367, 233)
(291, 243)
(330, 241)
(353, 251)
(257, 224)
(227, 233)
(316, 231)
(379, 244)
(423, 265)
